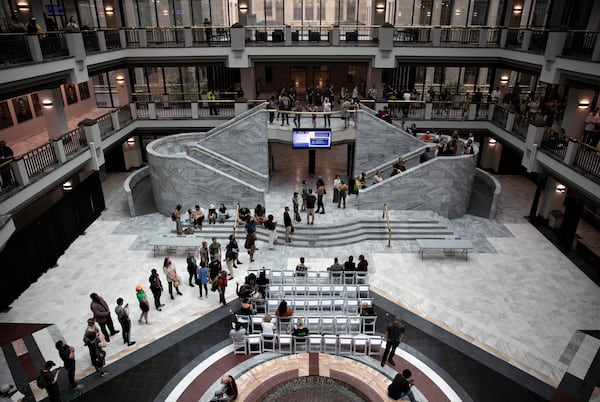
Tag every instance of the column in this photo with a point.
(248, 81)
(552, 200)
(123, 87)
(535, 134)
(54, 115)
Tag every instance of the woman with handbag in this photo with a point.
(172, 278)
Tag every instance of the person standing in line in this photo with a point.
(342, 189)
(336, 192)
(67, 355)
(287, 222)
(192, 266)
(204, 253)
(304, 194)
(401, 386)
(326, 112)
(202, 276)
(156, 287)
(271, 226)
(214, 250)
(320, 194)
(310, 207)
(102, 315)
(122, 313)
(394, 333)
(221, 286)
(94, 342)
(50, 378)
(297, 114)
(172, 278)
(144, 305)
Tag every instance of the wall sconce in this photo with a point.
(47, 103)
(23, 6)
(131, 141)
(504, 79)
(492, 141)
(457, 12)
(380, 7)
(560, 188)
(517, 10)
(68, 186)
(120, 79)
(583, 104)
(243, 7)
(109, 10)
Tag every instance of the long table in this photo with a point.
(449, 246)
(170, 241)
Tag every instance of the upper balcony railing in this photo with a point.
(23, 48)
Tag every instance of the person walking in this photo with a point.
(67, 355)
(271, 226)
(144, 305)
(156, 288)
(192, 266)
(172, 278)
(320, 193)
(310, 207)
(394, 333)
(287, 222)
(49, 378)
(221, 286)
(102, 315)
(122, 313)
(202, 275)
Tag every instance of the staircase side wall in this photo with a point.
(442, 185)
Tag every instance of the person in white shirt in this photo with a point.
(496, 94)
(592, 123)
(268, 328)
(327, 110)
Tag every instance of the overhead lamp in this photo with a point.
(47, 103)
(504, 79)
(583, 104)
(492, 141)
(517, 9)
(67, 186)
(109, 10)
(560, 188)
(131, 141)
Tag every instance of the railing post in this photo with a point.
(33, 42)
(491, 108)
(510, 121)
(503, 37)
(428, 110)
(143, 37)
(20, 172)
(114, 116)
(436, 36)
(335, 36)
(238, 38)
(288, 35)
(133, 109)
(527, 34)
(152, 110)
(59, 150)
(554, 46)
(386, 38)
(472, 112)
(239, 108)
(101, 40)
(188, 37)
(123, 38)
(194, 106)
(535, 135)
(484, 33)
(94, 140)
(571, 153)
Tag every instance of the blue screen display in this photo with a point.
(311, 138)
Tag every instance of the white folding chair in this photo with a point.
(363, 292)
(276, 278)
(240, 347)
(287, 291)
(351, 307)
(313, 324)
(354, 325)
(330, 343)
(244, 320)
(351, 291)
(256, 323)
(315, 343)
(313, 291)
(327, 325)
(349, 277)
(360, 345)
(339, 291)
(312, 277)
(272, 306)
(362, 278)
(268, 342)
(285, 343)
(369, 324)
(300, 291)
(323, 278)
(375, 345)
(289, 277)
(261, 306)
(254, 344)
(326, 291)
(299, 305)
(327, 306)
(300, 344)
(284, 324)
(345, 344)
(274, 292)
(341, 325)
(313, 305)
(338, 306)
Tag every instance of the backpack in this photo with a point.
(41, 381)
(173, 217)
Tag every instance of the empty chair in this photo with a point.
(256, 323)
(268, 342)
(375, 345)
(323, 278)
(360, 345)
(300, 343)
(354, 325)
(330, 343)
(272, 305)
(340, 324)
(284, 324)
(285, 343)
(345, 343)
(326, 291)
(313, 291)
(351, 307)
(240, 347)
(339, 305)
(276, 277)
(327, 305)
(287, 291)
(274, 292)
(335, 277)
(313, 305)
(363, 292)
(327, 325)
(369, 324)
(312, 277)
(289, 278)
(351, 291)
(299, 305)
(313, 324)
(300, 290)
(254, 343)
(315, 343)
(339, 291)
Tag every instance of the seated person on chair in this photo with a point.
(299, 329)
(283, 310)
(350, 265)
(301, 268)
(238, 332)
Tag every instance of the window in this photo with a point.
(480, 10)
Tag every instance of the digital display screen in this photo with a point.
(311, 138)
(54, 10)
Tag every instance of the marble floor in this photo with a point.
(517, 297)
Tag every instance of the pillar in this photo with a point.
(123, 87)
(552, 200)
(55, 118)
(248, 79)
(490, 155)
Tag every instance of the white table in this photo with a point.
(449, 246)
(170, 241)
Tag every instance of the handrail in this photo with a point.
(386, 216)
(235, 218)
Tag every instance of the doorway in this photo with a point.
(298, 77)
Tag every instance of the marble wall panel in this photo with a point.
(442, 185)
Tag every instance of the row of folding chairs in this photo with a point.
(289, 291)
(338, 325)
(328, 306)
(314, 343)
(279, 277)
